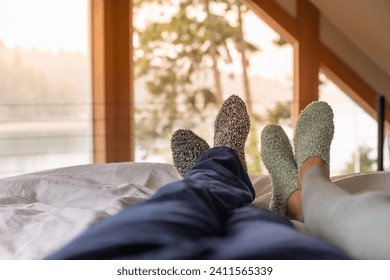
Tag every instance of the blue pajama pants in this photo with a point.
(207, 215)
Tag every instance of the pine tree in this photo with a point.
(177, 54)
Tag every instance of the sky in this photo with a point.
(45, 24)
(63, 24)
(353, 128)
(272, 62)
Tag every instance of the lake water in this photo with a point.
(33, 146)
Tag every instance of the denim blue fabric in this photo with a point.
(207, 215)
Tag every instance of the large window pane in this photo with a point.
(354, 148)
(45, 92)
(190, 56)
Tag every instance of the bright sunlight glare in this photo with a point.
(45, 24)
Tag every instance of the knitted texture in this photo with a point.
(314, 133)
(232, 126)
(186, 147)
(277, 156)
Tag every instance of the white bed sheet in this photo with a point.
(42, 211)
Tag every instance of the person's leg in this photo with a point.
(357, 223)
(176, 215)
(186, 148)
(232, 127)
(167, 225)
(277, 156)
(256, 233)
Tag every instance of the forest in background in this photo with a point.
(44, 86)
(183, 50)
(181, 78)
(45, 110)
(37, 84)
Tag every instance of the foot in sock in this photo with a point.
(277, 156)
(313, 135)
(232, 126)
(186, 147)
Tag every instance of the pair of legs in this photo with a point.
(204, 216)
(357, 223)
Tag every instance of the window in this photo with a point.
(45, 100)
(355, 143)
(189, 57)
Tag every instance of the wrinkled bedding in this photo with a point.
(42, 211)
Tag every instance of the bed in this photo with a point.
(42, 211)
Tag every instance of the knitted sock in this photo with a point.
(186, 147)
(277, 156)
(232, 126)
(314, 133)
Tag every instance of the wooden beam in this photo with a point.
(112, 80)
(276, 17)
(354, 86)
(306, 56)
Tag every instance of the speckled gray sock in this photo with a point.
(277, 156)
(186, 147)
(314, 133)
(232, 126)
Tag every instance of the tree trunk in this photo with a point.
(244, 62)
(387, 133)
(252, 145)
(214, 57)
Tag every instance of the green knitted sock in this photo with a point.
(186, 147)
(314, 133)
(232, 126)
(278, 158)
